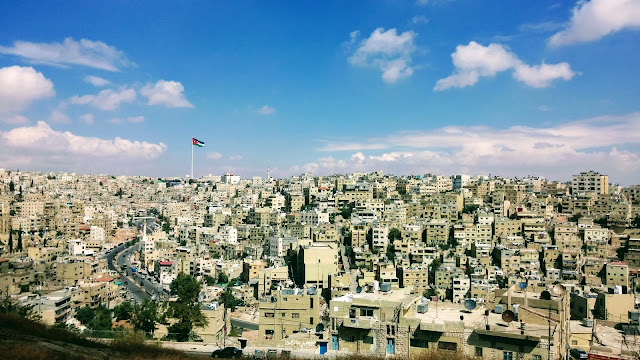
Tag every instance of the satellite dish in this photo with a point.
(545, 295)
(470, 304)
(559, 290)
(319, 328)
(274, 299)
(508, 316)
(358, 289)
(522, 285)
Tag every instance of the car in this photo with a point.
(578, 353)
(227, 353)
(126, 283)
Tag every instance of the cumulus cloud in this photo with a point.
(167, 93)
(87, 119)
(266, 110)
(550, 151)
(214, 155)
(595, 19)
(386, 50)
(20, 86)
(40, 146)
(107, 99)
(474, 61)
(96, 80)
(94, 54)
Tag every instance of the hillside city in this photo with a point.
(368, 263)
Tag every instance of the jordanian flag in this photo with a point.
(197, 142)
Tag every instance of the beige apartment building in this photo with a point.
(288, 311)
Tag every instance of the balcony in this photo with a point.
(359, 323)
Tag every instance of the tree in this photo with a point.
(394, 234)
(575, 217)
(222, 278)
(19, 245)
(469, 209)
(229, 301)
(391, 252)
(636, 222)
(10, 241)
(102, 319)
(145, 316)
(186, 309)
(123, 311)
(85, 314)
(209, 280)
(433, 267)
(12, 186)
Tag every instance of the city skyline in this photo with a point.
(520, 89)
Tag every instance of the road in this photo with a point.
(249, 325)
(134, 290)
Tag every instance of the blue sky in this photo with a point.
(444, 86)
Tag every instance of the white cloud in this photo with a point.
(14, 120)
(41, 147)
(419, 19)
(474, 61)
(557, 151)
(58, 117)
(422, 2)
(87, 119)
(167, 93)
(96, 80)
(235, 157)
(544, 108)
(95, 54)
(106, 99)
(541, 76)
(131, 119)
(266, 110)
(135, 119)
(20, 86)
(214, 155)
(386, 50)
(592, 20)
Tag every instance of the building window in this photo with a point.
(366, 312)
(446, 345)
(478, 351)
(507, 355)
(311, 320)
(351, 338)
(537, 357)
(268, 315)
(295, 315)
(311, 303)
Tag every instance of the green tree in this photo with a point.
(433, 267)
(145, 316)
(19, 245)
(10, 241)
(391, 252)
(85, 314)
(469, 209)
(12, 186)
(574, 218)
(186, 310)
(635, 223)
(209, 280)
(222, 278)
(123, 311)
(229, 301)
(394, 234)
(102, 319)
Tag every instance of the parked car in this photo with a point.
(578, 353)
(227, 353)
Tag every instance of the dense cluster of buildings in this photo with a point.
(493, 267)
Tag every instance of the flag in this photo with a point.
(197, 142)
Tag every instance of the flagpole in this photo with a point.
(191, 159)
